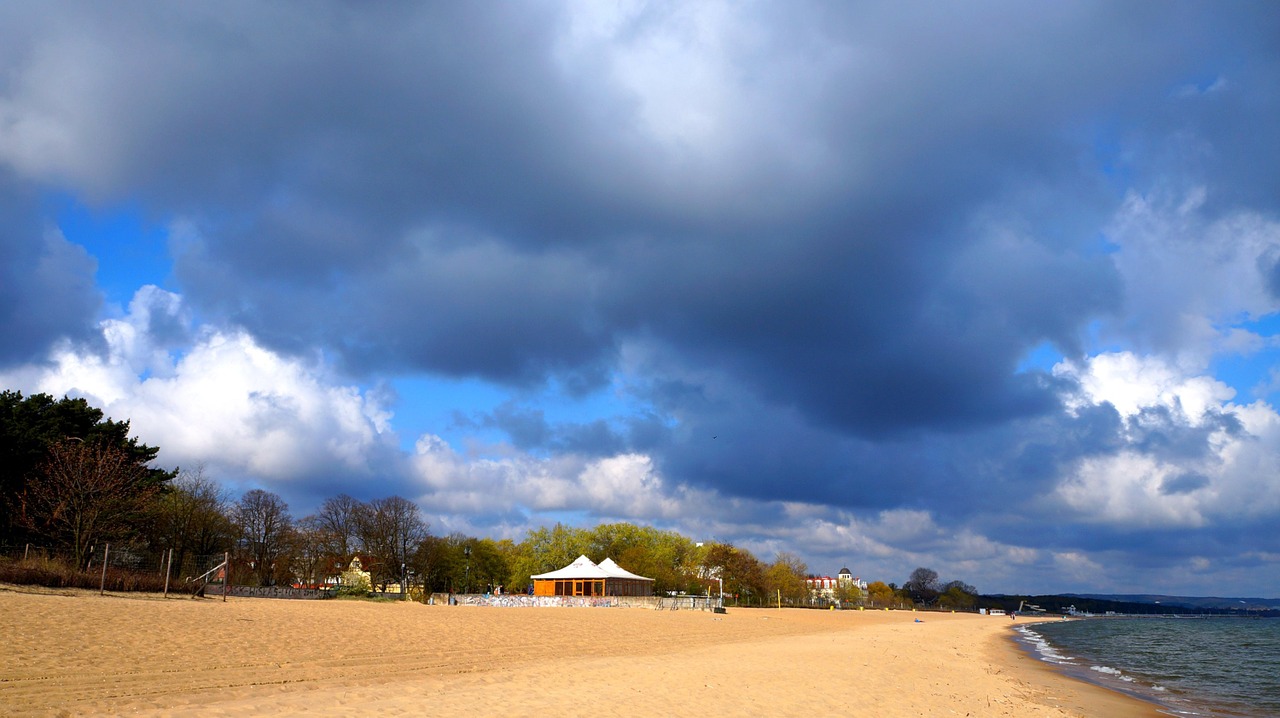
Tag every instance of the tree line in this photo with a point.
(72, 479)
(395, 544)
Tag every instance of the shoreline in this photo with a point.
(79, 653)
(1129, 661)
(1124, 703)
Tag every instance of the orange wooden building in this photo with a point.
(584, 577)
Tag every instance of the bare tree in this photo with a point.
(88, 492)
(193, 518)
(313, 556)
(391, 530)
(338, 522)
(266, 529)
(922, 586)
(329, 537)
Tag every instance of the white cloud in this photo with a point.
(1130, 383)
(906, 526)
(1229, 475)
(625, 486)
(224, 401)
(1127, 489)
(1190, 277)
(679, 69)
(1075, 567)
(886, 545)
(692, 105)
(1191, 90)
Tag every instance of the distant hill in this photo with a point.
(1140, 604)
(1205, 602)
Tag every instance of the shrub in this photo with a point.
(55, 573)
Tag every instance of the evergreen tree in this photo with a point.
(29, 429)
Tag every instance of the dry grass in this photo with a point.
(57, 573)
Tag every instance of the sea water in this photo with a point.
(1189, 666)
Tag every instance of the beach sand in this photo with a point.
(76, 653)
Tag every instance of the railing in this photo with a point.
(520, 600)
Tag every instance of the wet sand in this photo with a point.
(77, 653)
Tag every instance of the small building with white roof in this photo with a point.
(584, 577)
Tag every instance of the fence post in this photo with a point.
(26, 551)
(102, 587)
(167, 569)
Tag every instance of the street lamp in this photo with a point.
(466, 551)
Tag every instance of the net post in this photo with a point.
(168, 568)
(226, 575)
(102, 586)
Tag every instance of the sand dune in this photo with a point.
(77, 653)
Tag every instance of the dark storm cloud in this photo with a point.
(311, 144)
(47, 291)
(1165, 433)
(528, 429)
(432, 188)
(1184, 483)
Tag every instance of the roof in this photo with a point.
(584, 567)
(616, 571)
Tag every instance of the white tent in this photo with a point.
(616, 571)
(584, 578)
(582, 567)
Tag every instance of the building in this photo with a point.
(584, 577)
(825, 587)
(846, 577)
(822, 584)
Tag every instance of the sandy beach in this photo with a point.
(77, 653)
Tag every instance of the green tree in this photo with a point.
(848, 593)
(489, 565)
(958, 595)
(786, 576)
(438, 562)
(454, 562)
(644, 550)
(665, 556)
(547, 549)
(743, 574)
(31, 426)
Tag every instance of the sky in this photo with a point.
(991, 288)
